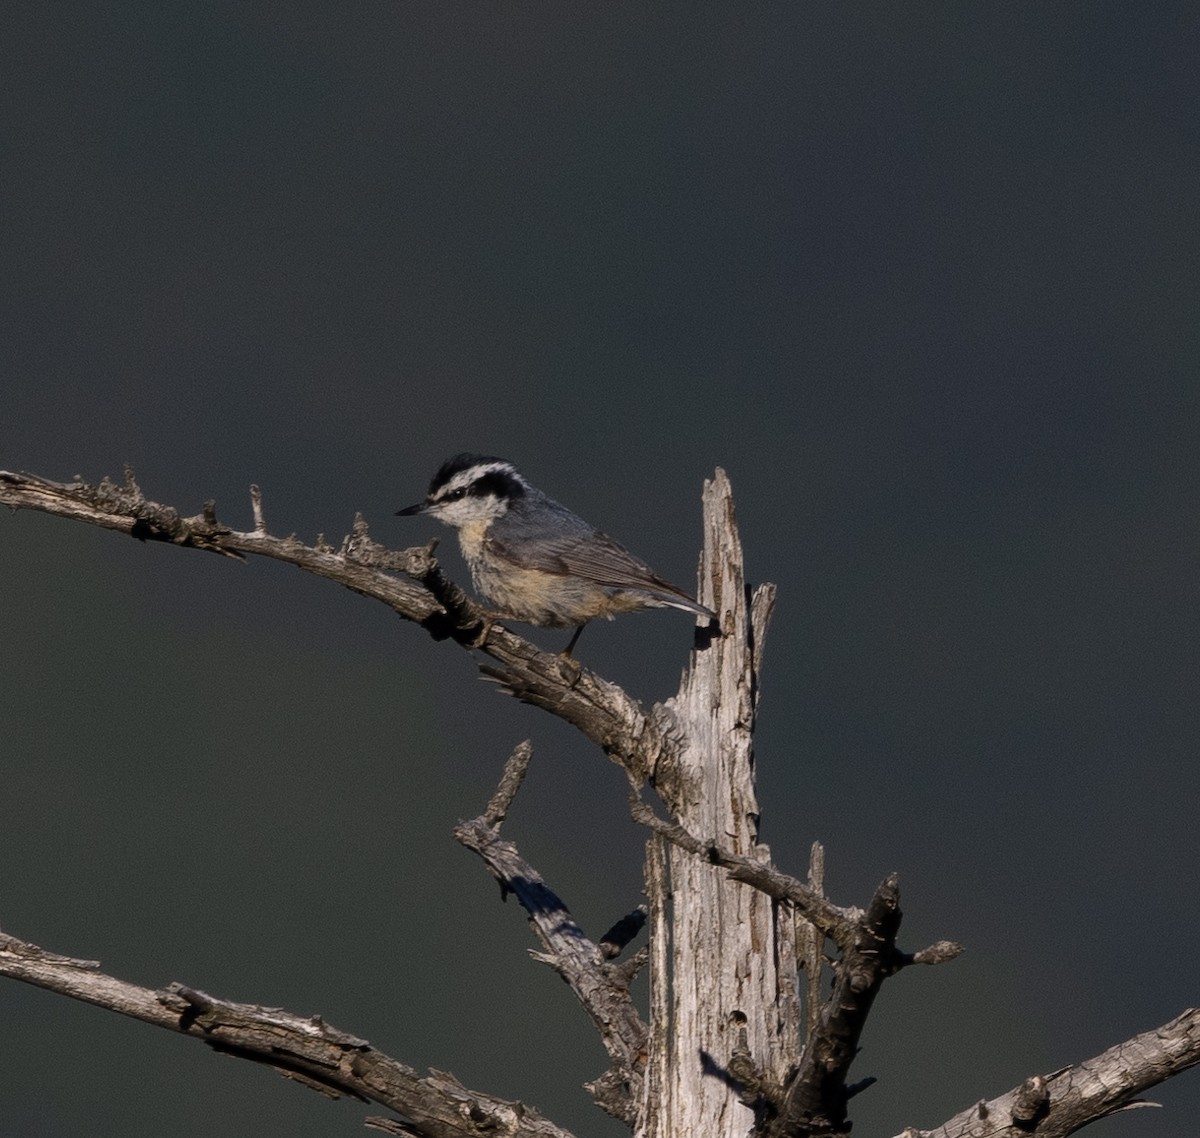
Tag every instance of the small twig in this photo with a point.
(613, 942)
(1032, 1103)
(31, 952)
(510, 782)
(862, 1085)
(939, 953)
(256, 508)
(391, 1126)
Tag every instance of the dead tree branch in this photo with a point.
(835, 922)
(816, 1098)
(602, 711)
(601, 986)
(303, 1048)
(1055, 1105)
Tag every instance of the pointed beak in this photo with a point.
(408, 511)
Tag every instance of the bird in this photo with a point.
(533, 559)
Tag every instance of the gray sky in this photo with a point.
(923, 282)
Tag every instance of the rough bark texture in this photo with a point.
(600, 985)
(1054, 1105)
(304, 1048)
(733, 951)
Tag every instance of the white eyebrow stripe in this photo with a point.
(465, 478)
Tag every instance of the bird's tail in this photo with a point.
(681, 601)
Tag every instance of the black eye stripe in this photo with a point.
(497, 483)
(503, 483)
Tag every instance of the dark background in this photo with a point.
(922, 280)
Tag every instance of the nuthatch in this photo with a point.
(535, 560)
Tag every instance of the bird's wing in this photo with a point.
(594, 556)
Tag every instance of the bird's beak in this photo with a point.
(408, 511)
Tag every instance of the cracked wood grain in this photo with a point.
(302, 1047)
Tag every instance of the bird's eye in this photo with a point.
(455, 495)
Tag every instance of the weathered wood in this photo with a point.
(304, 1048)
(601, 710)
(600, 985)
(727, 939)
(1058, 1104)
(722, 1053)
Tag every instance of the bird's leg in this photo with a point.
(566, 652)
(486, 625)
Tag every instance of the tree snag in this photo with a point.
(734, 1042)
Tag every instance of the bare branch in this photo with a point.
(303, 1048)
(817, 1097)
(938, 953)
(613, 942)
(600, 710)
(125, 509)
(1052, 1106)
(601, 986)
(256, 508)
(834, 922)
(510, 782)
(810, 942)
